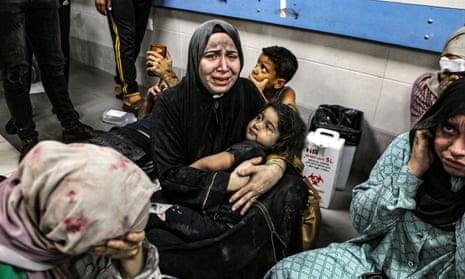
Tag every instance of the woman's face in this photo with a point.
(220, 64)
(264, 128)
(446, 78)
(449, 144)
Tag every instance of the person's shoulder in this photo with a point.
(246, 82)
(287, 91)
(423, 78)
(401, 142)
(174, 92)
(248, 87)
(404, 137)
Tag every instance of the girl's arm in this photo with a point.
(216, 162)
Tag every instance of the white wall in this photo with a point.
(369, 76)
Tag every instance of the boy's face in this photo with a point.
(264, 128)
(264, 69)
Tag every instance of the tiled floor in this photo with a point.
(9, 156)
(91, 91)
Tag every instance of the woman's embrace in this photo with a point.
(206, 113)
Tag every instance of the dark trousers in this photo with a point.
(65, 24)
(128, 21)
(38, 27)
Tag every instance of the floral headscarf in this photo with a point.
(64, 199)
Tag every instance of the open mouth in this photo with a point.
(221, 81)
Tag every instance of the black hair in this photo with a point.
(285, 62)
(292, 131)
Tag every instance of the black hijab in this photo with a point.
(437, 204)
(194, 123)
(198, 43)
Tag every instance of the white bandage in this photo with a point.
(452, 65)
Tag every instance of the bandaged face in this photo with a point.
(452, 65)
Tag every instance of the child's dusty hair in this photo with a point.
(285, 62)
(292, 131)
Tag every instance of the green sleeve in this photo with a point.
(8, 271)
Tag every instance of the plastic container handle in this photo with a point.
(327, 133)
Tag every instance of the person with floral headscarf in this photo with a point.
(411, 210)
(66, 202)
(428, 87)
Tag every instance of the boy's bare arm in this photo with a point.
(216, 162)
(288, 98)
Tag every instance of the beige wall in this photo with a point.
(369, 76)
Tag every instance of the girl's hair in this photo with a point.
(292, 131)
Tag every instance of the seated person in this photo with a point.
(276, 129)
(275, 67)
(206, 113)
(54, 215)
(133, 140)
(411, 209)
(428, 87)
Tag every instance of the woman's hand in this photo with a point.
(127, 247)
(262, 179)
(445, 79)
(128, 251)
(157, 65)
(237, 181)
(421, 157)
(103, 6)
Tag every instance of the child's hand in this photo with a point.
(155, 90)
(259, 84)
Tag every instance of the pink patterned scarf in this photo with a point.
(64, 199)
